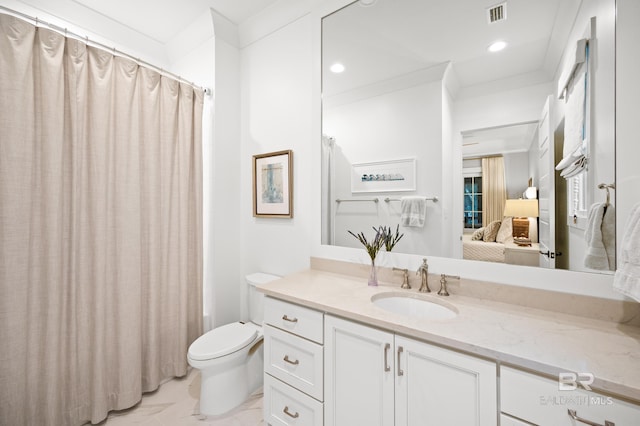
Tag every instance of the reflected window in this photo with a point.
(472, 201)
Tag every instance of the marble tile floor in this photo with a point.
(176, 403)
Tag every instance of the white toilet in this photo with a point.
(230, 357)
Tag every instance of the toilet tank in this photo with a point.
(256, 298)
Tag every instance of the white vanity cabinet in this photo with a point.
(359, 374)
(374, 377)
(293, 364)
(527, 398)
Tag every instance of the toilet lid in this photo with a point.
(222, 341)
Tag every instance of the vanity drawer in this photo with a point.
(284, 405)
(539, 400)
(293, 360)
(295, 319)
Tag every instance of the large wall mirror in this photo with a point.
(485, 130)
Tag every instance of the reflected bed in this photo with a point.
(482, 250)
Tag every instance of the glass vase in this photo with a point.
(373, 274)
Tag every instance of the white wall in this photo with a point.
(493, 108)
(396, 125)
(627, 112)
(516, 172)
(276, 99)
(227, 282)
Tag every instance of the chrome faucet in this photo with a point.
(423, 271)
(405, 278)
(443, 283)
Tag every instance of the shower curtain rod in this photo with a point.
(39, 22)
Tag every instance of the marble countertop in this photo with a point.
(534, 339)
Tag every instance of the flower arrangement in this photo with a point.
(384, 238)
(390, 240)
(374, 246)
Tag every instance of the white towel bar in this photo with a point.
(341, 200)
(434, 199)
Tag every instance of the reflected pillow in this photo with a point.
(491, 231)
(477, 234)
(505, 233)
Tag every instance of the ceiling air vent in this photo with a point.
(497, 13)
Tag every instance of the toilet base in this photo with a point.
(228, 384)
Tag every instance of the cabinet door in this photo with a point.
(358, 374)
(437, 386)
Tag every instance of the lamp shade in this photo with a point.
(521, 208)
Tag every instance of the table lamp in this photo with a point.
(521, 210)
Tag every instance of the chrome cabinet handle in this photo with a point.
(286, 318)
(574, 415)
(386, 357)
(286, 359)
(288, 413)
(400, 372)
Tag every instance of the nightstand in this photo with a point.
(522, 255)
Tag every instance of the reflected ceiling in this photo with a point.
(394, 38)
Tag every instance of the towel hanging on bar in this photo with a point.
(413, 211)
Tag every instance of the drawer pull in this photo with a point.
(286, 318)
(288, 413)
(574, 415)
(400, 372)
(386, 356)
(286, 359)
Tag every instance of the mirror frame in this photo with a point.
(582, 283)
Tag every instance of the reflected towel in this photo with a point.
(600, 236)
(574, 169)
(627, 277)
(574, 123)
(413, 211)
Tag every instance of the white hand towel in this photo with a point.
(627, 277)
(413, 211)
(600, 237)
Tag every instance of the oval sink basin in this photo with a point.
(414, 307)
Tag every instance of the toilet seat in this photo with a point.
(222, 341)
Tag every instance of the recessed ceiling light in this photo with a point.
(497, 46)
(337, 68)
(367, 2)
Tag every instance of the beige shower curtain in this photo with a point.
(494, 189)
(100, 228)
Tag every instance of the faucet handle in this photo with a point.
(405, 278)
(443, 283)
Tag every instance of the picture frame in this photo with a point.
(384, 176)
(273, 184)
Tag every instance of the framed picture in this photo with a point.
(384, 176)
(273, 184)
